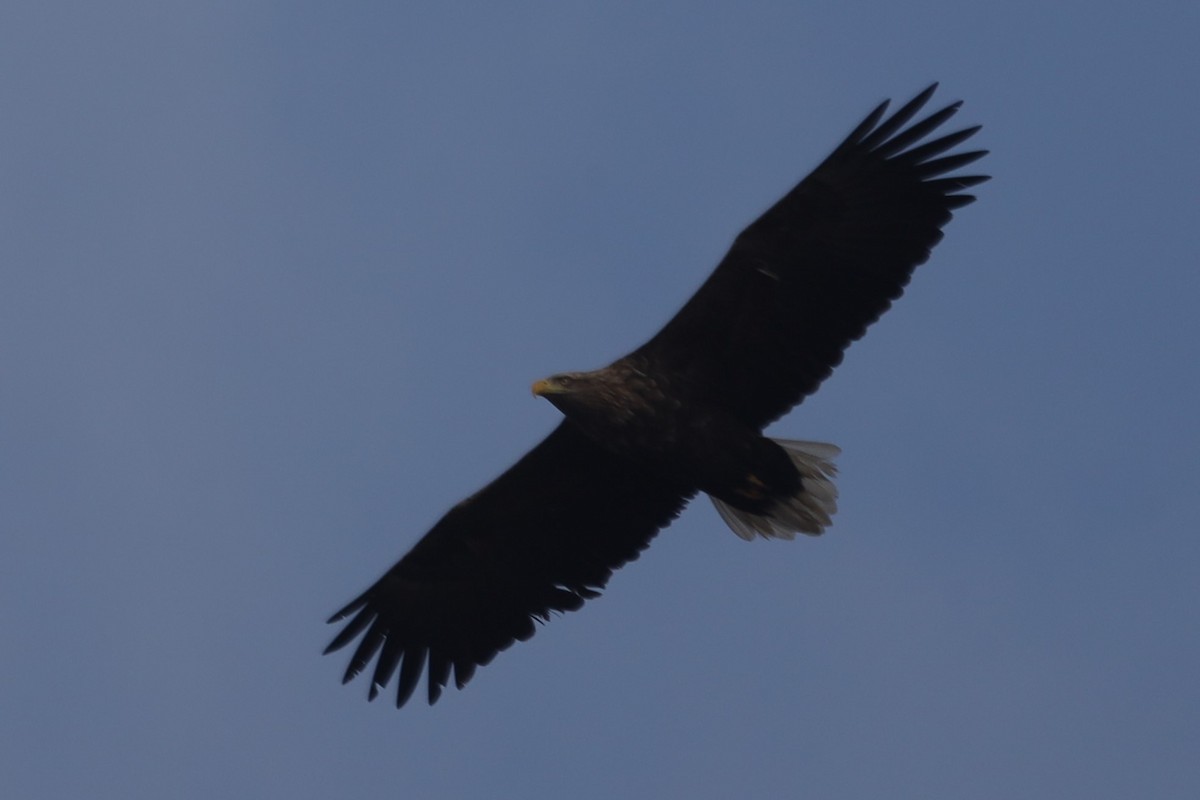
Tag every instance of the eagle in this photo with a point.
(680, 415)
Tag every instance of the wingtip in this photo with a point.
(341, 640)
(348, 609)
(350, 674)
(867, 125)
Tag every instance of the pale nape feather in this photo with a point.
(808, 511)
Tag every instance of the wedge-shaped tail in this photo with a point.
(808, 511)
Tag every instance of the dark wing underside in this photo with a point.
(543, 537)
(806, 278)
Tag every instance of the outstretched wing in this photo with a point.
(806, 278)
(545, 536)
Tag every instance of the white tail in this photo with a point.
(808, 511)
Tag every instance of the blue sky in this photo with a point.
(277, 276)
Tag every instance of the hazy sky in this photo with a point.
(275, 279)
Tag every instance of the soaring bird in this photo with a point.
(684, 413)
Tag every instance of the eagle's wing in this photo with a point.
(544, 536)
(806, 278)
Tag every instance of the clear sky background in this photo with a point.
(275, 279)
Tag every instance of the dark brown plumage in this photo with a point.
(682, 414)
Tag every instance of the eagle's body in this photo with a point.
(682, 414)
(668, 428)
